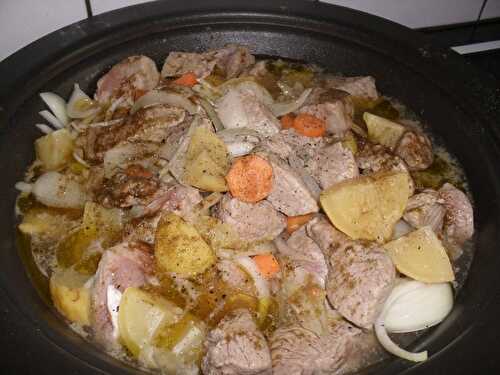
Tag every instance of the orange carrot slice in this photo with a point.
(295, 222)
(287, 121)
(188, 79)
(250, 178)
(267, 265)
(309, 125)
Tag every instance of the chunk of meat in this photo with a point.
(376, 158)
(234, 59)
(290, 194)
(459, 218)
(335, 114)
(360, 277)
(236, 347)
(288, 143)
(416, 150)
(332, 164)
(179, 63)
(299, 351)
(252, 221)
(425, 209)
(178, 199)
(241, 108)
(128, 187)
(150, 124)
(235, 277)
(231, 61)
(356, 86)
(125, 265)
(303, 252)
(129, 78)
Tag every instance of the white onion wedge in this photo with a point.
(80, 105)
(212, 115)
(57, 105)
(54, 189)
(281, 109)
(261, 284)
(412, 306)
(44, 128)
(23, 187)
(51, 119)
(162, 97)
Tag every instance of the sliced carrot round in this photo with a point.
(309, 125)
(267, 265)
(287, 121)
(295, 222)
(188, 79)
(250, 178)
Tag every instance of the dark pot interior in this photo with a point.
(449, 96)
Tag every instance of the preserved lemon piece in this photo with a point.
(140, 316)
(367, 207)
(179, 247)
(206, 161)
(383, 131)
(421, 256)
(98, 223)
(54, 150)
(184, 338)
(70, 295)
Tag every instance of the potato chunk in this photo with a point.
(206, 161)
(367, 207)
(421, 256)
(179, 247)
(70, 295)
(383, 131)
(140, 316)
(54, 150)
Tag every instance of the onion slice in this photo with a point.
(261, 284)
(44, 128)
(212, 115)
(52, 120)
(412, 306)
(80, 105)
(162, 97)
(281, 109)
(57, 105)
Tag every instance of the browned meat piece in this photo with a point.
(236, 347)
(179, 63)
(303, 252)
(122, 266)
(332, 164)
(360, 277)
(131, 77)
(235, 277)
(459, 219)
(241, 108)
(288, 143)
(356, 86)
(335, 114)
(234, 59)
(299, 351)
(252, 221)
(290, 194)
(425, 209)
(231, 60)
(416, 150)
(128, 187)
(151, 124)
(376, 158)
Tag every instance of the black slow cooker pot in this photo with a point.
(459, 103)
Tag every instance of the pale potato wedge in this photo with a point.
(70, 295)
(383, 131)
(179, 247)
(206, 161)
(141, 314)
(421, 256)
(367, 207)
(54, 150)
